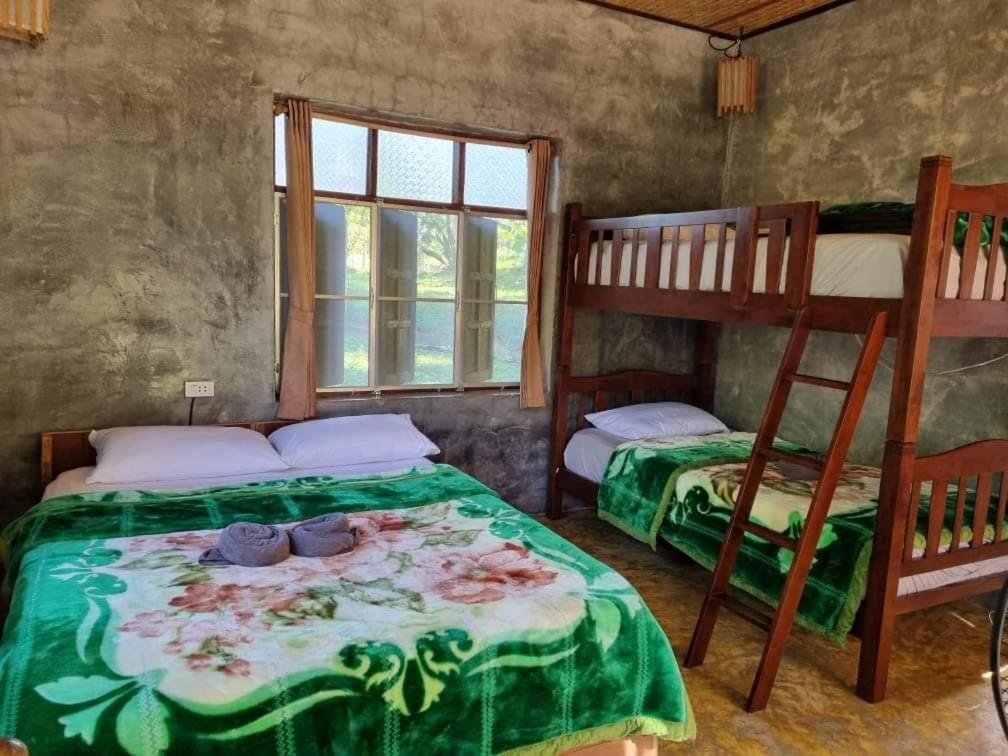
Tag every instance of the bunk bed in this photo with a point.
(762, 265)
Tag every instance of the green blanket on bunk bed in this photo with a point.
(682, 490)
(904, 209)
(457, 625)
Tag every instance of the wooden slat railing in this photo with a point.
(982, 269)
(976, 473)
(688, 255)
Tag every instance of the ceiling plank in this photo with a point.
(621, 8)
(800, 17)
(746, 11)
(723, 18)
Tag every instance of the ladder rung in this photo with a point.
(797, 459)
(745, 611)
(770, 535)
(815, 380)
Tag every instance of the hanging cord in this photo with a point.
(964, 368)
(726, 172)
(192, 404)
(951, 371)
(730, 141)
(736, 45)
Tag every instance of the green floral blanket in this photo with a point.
(458, 625)
(683, 490)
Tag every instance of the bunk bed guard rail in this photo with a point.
(724, 257)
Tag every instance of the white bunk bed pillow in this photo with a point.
(351, 441)
(172, 452)
(655, 420)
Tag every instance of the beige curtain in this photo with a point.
(297, 387)
(540, 153)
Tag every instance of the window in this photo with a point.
(421, 257)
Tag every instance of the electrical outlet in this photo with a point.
(199, 389)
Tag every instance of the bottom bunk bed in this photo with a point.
(681, 490)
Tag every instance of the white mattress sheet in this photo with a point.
(926, 581)
(846, 265)
(588, 452)
(73, 481)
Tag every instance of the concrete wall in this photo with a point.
(850, 102)
(136, 208)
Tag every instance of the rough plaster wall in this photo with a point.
(136, 208)
(850, 102)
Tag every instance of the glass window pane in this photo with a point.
(418, 254)
(415, 167)
(281, 240)
(512, 260)
(279, 152)
(438, 245)
(496, 254)
(496, 176)
(339, 156)
(342, 334)
(342, 249)
(492, 336)
(416, 343)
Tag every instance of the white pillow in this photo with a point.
(351, 440)
(174, 452)
(656, 419)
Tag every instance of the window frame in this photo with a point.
(376, 203)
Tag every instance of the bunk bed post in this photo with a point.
(554, 500)
(920, 285)
(744, 264)
(801, 255)
(706, 346)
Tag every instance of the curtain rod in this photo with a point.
(409, 126)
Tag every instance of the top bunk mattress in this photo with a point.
(846, 265)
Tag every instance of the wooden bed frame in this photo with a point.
(924, 312)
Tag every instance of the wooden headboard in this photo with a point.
(66, 450)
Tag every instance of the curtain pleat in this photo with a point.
(297, 377)
(540, 153)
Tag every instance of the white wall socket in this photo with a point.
(199, 389)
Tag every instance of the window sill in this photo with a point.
(418, 392)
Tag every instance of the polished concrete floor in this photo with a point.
(939, 698)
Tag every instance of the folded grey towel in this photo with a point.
(249, 544)
(323, 536)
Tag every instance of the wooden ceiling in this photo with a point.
(724, 18)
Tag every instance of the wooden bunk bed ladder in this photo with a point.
(804, 547)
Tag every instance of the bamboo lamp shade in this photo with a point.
(24, 20)
(736, 82)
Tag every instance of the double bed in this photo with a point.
(456, 625)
